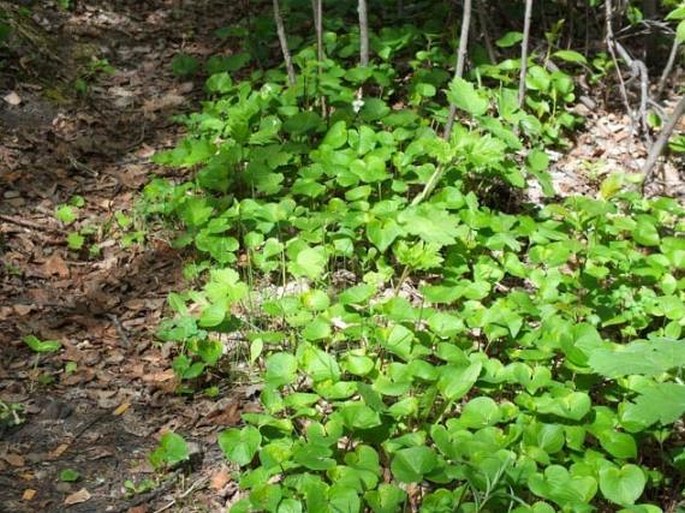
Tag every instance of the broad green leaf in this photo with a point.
(336, 137)
(382, 233)
(566, 404)
(313, 456)
(172, 450)
(319, 364)
(557, 485)
(622, 486)
(662, 402)
(281, 369)
(240, 445)
(343, 499)
(309, 262)
(359, 416)
(266, 497)
(570, 56)
(509, 39)
(302, 122)
(479, 413)
(464, 96)
(455, 382)
(647, 357)
(645, 232)
(410, 465)
(387, 498)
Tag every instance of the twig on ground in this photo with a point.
(26, 224)
(201, 482)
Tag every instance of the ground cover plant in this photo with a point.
(423, 343)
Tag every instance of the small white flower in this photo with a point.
(357, 105)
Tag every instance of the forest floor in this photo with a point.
(100, 405)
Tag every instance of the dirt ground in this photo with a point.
(100, 404)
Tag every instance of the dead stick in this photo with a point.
(658, 146)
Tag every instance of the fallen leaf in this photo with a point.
(59, 450)
(28, 494)
(22, 310)
(122, 408)
(14, 459)
(138, 509)
(55, 265)
(160, 376)
(12, 98)
(77, 497)
(219, 479)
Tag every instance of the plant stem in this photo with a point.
(461, 58)
(363, 34)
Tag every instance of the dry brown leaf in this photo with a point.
(160, 377)
(138, 509)
(55, 265)
(28, 494)
(22, 310)
(12, 98)
(61, 448)
(219, 479)
(14, 459)
(77, 497)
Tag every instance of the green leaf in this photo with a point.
(302, 122)
(557, 485)
(509, 39)
(171, 451)
(75, 240)
(479, 413)
(281, 369)
(240, 445)
(336, 137)
(455, 382)
(410, 465)
(622, 486)
(383, 233)
(680, 32)
(357, 415)
(387, 498)
(343, 499)
(646, 357)
(319, 364)
(69, 475)
(42, 346)
(309, 262)
(184, 65)
(645, 232)
(570, 56)
(662, 402)
(65, 213)
(464, 96)
(565, 404)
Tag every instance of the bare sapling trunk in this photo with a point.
(658, 147)
(317, 8)
(524, 52)
(363, 33)
(461, 59)
(283, 40)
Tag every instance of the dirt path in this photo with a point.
(98, 405)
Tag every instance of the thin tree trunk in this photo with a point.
(658, 146)
(669, 66)
(524, 52)
(280, 29)
(461, 59)
(363, 34)
(317, 7)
